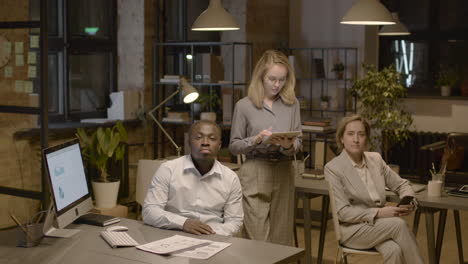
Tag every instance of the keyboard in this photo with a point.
(118, 239)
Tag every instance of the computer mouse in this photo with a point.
(117, 229)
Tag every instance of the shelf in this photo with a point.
(223, 125)
(330, 111)
(435, 97)
(322, 79)
(202, 84)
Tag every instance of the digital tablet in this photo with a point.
(289, 134)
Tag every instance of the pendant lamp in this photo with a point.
(399, 29)
(215, 18)
(367, 12)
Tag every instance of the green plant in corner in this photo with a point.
(209, 101)
(101, 145)
(447, 77)
(380, 94)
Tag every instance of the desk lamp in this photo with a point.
(189, 94)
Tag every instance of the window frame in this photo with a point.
(65, 45)
(433, 35)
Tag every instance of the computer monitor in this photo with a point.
(69, 188)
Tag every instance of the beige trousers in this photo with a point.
(268, 200)
(391, 237)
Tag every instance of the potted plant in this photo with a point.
(209, 102)
(98, 148)
(324, 101)
(445, 80)
(380, 94)
(224, 155)
(338, 69)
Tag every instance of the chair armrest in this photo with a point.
(434, 146)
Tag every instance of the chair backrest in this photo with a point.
(145, 172)
(336, 222)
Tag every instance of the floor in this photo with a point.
(449, 247)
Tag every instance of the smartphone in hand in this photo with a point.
(405, 200)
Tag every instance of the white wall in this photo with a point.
(439, 115)
(315, 23)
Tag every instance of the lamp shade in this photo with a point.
(399, 29)
(368, 12)
(215, 18)
(189, 93)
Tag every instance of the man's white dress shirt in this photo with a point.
(178, 192)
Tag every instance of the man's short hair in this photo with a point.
(204, 122)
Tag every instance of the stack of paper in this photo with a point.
(185, 247)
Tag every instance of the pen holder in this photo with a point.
(434, 188)
(32, 237)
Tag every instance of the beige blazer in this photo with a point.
(354, 205)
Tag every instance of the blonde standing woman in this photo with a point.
(267, 176)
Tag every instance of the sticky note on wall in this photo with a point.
(19, 86)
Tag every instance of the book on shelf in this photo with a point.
(317, 122)
(181, 115)
(316, 128)
(175, 120)
(170, 79)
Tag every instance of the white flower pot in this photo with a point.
(445, 90)
(208, 116)
(105, 193)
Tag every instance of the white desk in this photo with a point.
(89, 248)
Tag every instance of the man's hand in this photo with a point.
(392, 211)
(196, 227)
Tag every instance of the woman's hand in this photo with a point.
(409, 207)
(392, 211)
(285, 142)
(264, 133)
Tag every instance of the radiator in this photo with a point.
(415, 163)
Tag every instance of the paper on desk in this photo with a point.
(172, 244)
(204, 252)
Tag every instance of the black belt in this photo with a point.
(272, 156)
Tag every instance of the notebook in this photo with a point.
(97, 219)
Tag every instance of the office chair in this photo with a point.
(145, 172)
(343, 250)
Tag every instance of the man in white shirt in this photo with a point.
(196, 193)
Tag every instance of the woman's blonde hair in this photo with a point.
(268, 59)
(342, 127)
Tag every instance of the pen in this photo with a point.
(21, 226)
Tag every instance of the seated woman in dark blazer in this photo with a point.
(358, 179)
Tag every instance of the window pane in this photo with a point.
(414, 13)
(52, 13)
(54, 81)
(90, 18)
(89, 82)
(410, 59)
(452, 14)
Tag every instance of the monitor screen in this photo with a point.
(69, 186)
